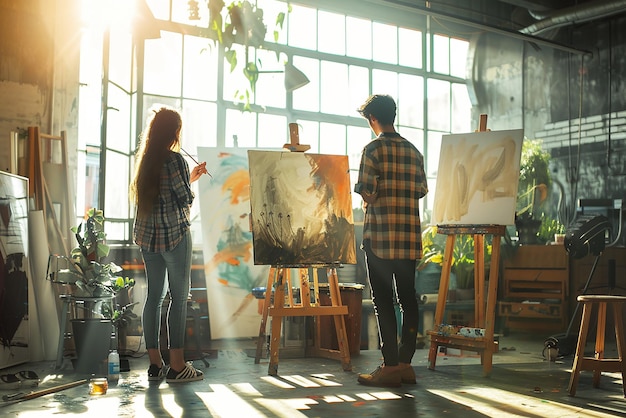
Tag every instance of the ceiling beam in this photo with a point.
(505, 32)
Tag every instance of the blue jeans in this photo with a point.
(177, 264)
(382, 275)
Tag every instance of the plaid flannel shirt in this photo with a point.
(393, 169)
(169, 221)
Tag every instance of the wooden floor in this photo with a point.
(522, 384)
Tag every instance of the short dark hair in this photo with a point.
(381, 106)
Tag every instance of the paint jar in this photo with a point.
(98, 386)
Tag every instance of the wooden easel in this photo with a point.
(484, 314)
(278, 305)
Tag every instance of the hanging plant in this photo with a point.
(244, 25)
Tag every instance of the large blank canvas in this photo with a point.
(230, 273)
(301, 209)
(477, 178)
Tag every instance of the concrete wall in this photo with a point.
(39, 63)
(538, 89)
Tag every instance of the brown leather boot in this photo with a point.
(381, 378)
(407, 375)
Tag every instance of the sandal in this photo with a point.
(28, 378)
(9, 382)
(156, 373)
(188, 374)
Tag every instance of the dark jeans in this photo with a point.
(382, 275)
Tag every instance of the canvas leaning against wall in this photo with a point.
(301, 209)
(230, 272)
(14, 271)
(477, 178)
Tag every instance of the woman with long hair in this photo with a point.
(161, 192)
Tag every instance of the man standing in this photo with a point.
(391, 182)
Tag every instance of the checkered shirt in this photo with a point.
(169, 221)
(394, 169)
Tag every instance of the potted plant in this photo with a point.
(122, 318)
(97, 283)
(534, 185)
(462, 269)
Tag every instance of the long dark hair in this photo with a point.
(161, 136)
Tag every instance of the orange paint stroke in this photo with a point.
(335, 177)
(238, 184)
(242, 250)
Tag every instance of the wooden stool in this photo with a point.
(598, 363)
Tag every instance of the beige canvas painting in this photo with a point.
(477, 178)
(301, 207)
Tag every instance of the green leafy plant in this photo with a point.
(463, 254)
(122, 316)
(549, 227)
(86, 264)
(534, 179)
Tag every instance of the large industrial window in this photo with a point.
(345, 55)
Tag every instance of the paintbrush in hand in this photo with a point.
(194, 160)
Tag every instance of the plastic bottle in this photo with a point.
(114, 367)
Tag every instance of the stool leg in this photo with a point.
(600, 335)
(621, 341)
(580, 349)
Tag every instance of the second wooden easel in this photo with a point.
(484, 311)
(278, 305)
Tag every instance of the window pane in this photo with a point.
(332, 139)
(116, 185)
(458, 57)
(432, 152)
(438, 105)
(335, 88)
(199, 125)
(272, 131)
(410, 47)
(358, 138)
(199, 69)
(359, 38)
(121, 59)
(271, 10)
(118, 119)
(385, 82)
(302, 27)
(235, 82)
(309, 134)
(331, 31)
(116, 231)
(359, 80)
(240, 129)
(90, 91)
(163, 59)
(307, 97)
(411, 101)
(270, 87)
(461, 109)
(414, 136)
(385, 43)
(441, 53)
